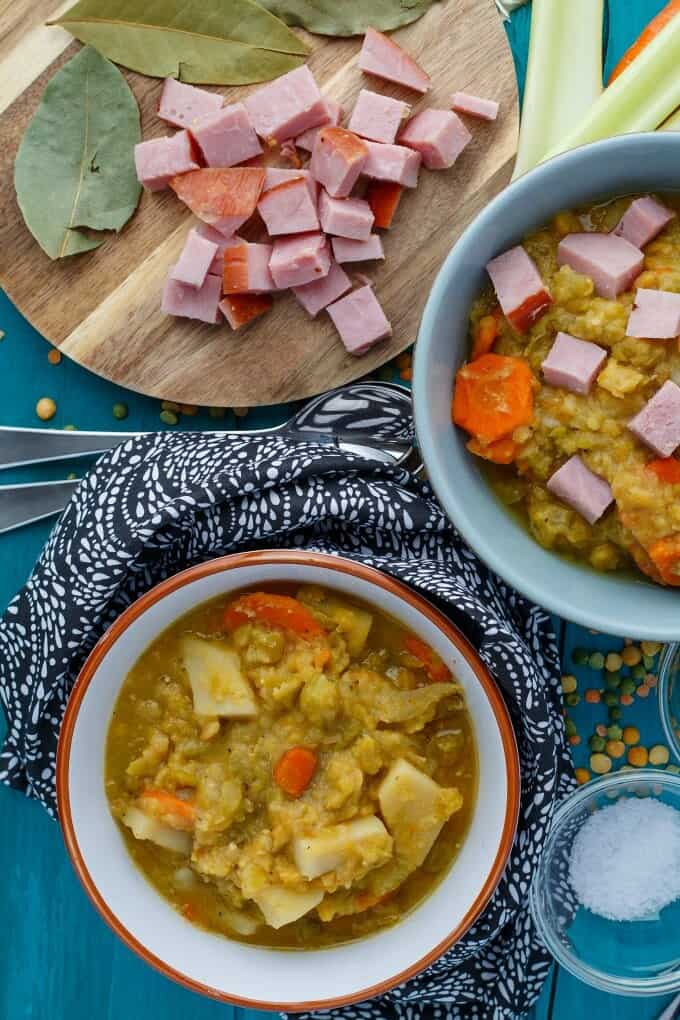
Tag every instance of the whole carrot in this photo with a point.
(650, 32)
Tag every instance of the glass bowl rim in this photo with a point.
(668, 656)
(659, 985)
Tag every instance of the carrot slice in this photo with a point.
(295, 770)
(486, 334)
(666, 469)
(240, 309)
(503, 451)
(493, 396)
(383, 198)
(665, 555)
(275, 611)
(643, 40)
(437, 671)
(178, 813)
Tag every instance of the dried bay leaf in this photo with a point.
(75, 166)
(347, 17)
(216, 42)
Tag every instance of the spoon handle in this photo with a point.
(24, 504)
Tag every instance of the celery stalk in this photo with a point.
(672, 124)
(564, 74)
(640, 99)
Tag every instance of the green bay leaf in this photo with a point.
(217, 42)
(75, 171)
(347, 17)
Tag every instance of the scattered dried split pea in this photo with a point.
(600, 764)
(659, 755)
(615, 748)
(643, 691)
(581, 776)
(574, 740)
(592, 696)
(241, 412)
(569, 684)
(650, 647)
(54, 356)
(626, 699)
(631, 655)
(638, 756)
(189, 409)
(601, 730)
(170, 405)
(651, 680)
(631, 735)
(45, 408)
(613, 662)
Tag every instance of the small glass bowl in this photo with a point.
(638, 958)
(669, 696)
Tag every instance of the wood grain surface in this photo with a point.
(102, 308)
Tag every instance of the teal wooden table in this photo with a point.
(58, 960)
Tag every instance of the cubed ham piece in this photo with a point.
(657, 425)
(288, 106)
(221, 242)
(438, 135)
(360, 320)
(519, 288)
(377, 117)
(289, 208)
(193, 302)
(643, 220)
(656, 315)
(338, 158)
(483, 109)
(195, 261)
(246, 269)
(346, 250)
(573, 364)
(394, 163)
(383, 58)
(160, 159)
(318, 294)
(581, 489)
(223, 198)
(611, 262)
(181, 105)
(383, 198)
(333, 117)
(226, 137)
(299, 260)
(240, 309)
(345, 217)
(275, 176)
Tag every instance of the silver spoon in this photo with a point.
(368, 419)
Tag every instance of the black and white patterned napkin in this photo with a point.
(160, 503)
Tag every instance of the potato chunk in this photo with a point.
(217, 683)
(283, 906)
(365, 839)
(143, 826)
(415, 809)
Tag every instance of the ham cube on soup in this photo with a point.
(181, 104)
(226, 137)
(377, 117)
(573, 364)
(581, 489)
(656, 315)
(611, 262)
(338, 159)
(657, 425)
(438, 135)
(360, 320)
(643, 220)
(159, 160)
(288, 106)
(519, 288)
(383, 58)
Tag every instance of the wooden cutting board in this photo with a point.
(102, 308)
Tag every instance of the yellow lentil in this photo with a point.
(45, 408)
(631, 735)
(613, 662)
(650, 647)
(631, 655)
(569, 684)
(170, 405)
(615, 748)
(600, 764)
(581, 776)
(638, 757)
(659, 755)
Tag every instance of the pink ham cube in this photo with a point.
(160, 159)
(377, 117)
(573, 364)
(484, 109)
(519, 288)
(345, 217)
(382, 57)
(643, 220)
(275, 176)
(611, 262)
(299, 260)
(657, 425)
(438, 135)
(193, 302)
(195, 261)
(345, 250)
(360, 320)
(393, 163)
(226, 137)
(656, 315)
(288, 106)
(338, 158)
(318, 294)
(181, 105)
(246, 269)
(581, 489)
(221, 243)
(333, 117)
(289, 208)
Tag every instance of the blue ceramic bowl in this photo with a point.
(617, 604)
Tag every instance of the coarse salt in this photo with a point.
(625, 861)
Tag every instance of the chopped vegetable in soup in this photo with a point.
(291, 768)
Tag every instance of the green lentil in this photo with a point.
(596, 660)
(648, 661)
(572, 700)
(638, 672)
(169, 417)
(627, 685)
(597, 743)
(580, 656)
(612, 681)
(614, 732)
(120, 411)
